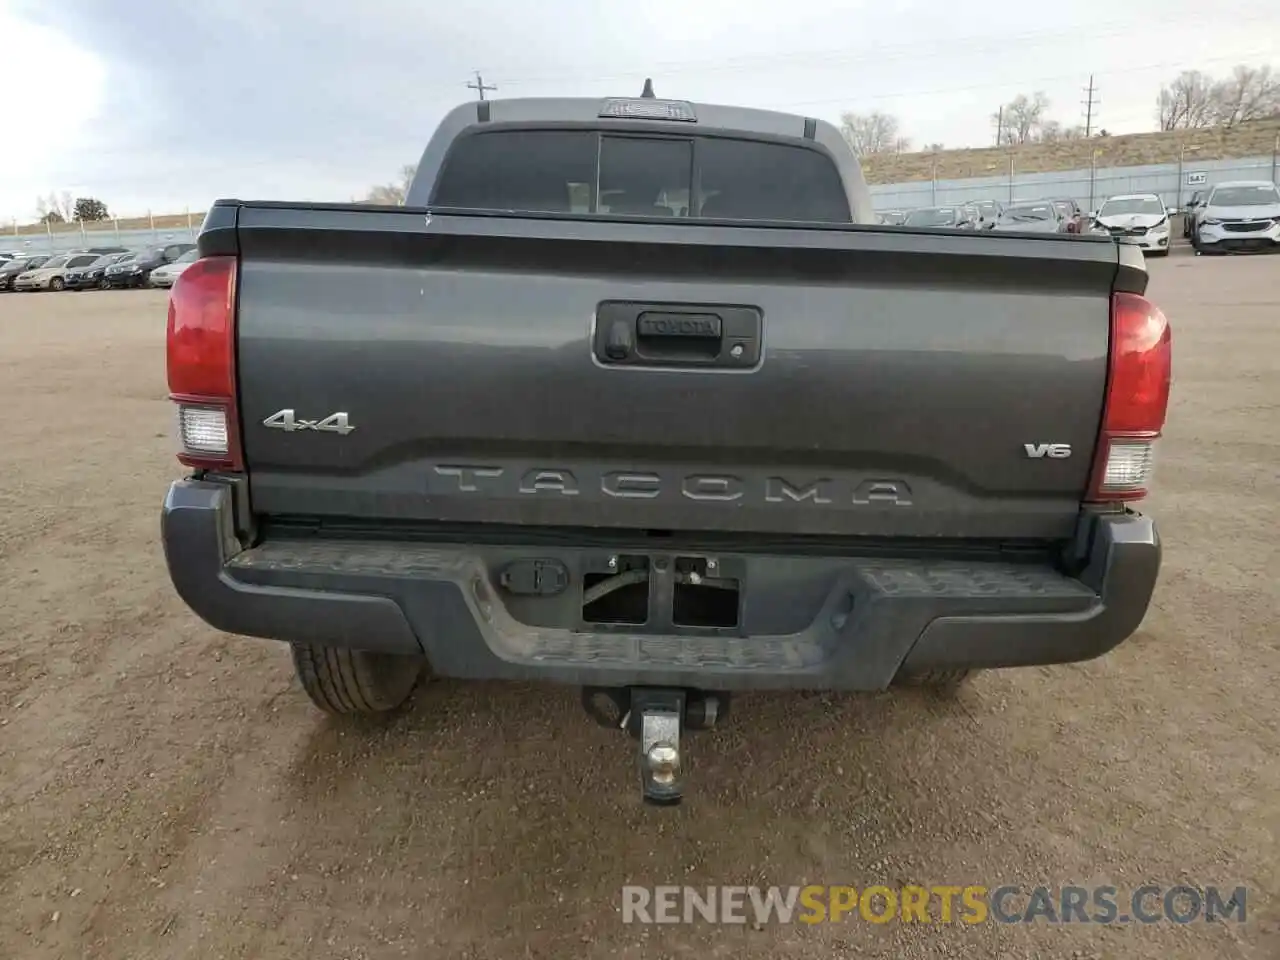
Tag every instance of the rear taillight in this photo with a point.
(1137, 399)
(201, 361)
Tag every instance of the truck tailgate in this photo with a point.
(890, 383)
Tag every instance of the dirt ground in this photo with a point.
(167, 792)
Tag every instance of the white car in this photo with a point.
(1242, 215)
(164, 276)
(1139, 218)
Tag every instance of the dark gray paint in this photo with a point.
(919, 359)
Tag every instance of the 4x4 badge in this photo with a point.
(287, 421)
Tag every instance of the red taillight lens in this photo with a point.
(201, 363)
(1141, 370)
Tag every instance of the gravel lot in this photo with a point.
(166, 792)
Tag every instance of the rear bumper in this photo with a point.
(851, 623)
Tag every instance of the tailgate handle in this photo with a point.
(677, 335)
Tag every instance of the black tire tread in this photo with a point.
(344, 681)
(940, 681)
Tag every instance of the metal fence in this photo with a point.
(1174, 182)
(64, 238)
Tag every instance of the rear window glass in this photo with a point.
(557, 171)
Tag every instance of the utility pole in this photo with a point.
(1089, 103)
(480, 85)
(1000, 126)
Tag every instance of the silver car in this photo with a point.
(164, 276)
(1240, 215)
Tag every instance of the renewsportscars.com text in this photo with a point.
(970, 904)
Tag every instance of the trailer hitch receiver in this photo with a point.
(661, 717)
(657, 718)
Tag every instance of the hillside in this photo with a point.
(1256, 139)
(166, 223)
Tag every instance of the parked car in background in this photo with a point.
(100, 251)
(1041, 217)
(11, 268)
(1140, 218)
(952, 217)
(89, 277)
(51, 274)
(990, 211)
(164, 276)
(1071, 212)
(972, 216)
(894, 218)
(1239, 215)
(1189, 212)
(137, 271)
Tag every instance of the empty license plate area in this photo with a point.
(663, 593)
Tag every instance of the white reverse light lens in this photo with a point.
(1129, 464)
(203, 429)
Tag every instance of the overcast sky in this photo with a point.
(166, 104)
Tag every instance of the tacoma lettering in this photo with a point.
(818, 492)
(776, 490)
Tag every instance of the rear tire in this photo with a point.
(343, 681)
(56, 284)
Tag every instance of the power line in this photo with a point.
(412, 139)
(479, 86)
(1024, 83)
(1051, 36)
(1089, 103)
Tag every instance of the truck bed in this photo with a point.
(890, 384)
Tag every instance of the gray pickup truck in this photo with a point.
(635, 395)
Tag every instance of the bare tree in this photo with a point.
(56, 207)
(934, 148)
(1250, 93)
(871, 133)
(1188, 102)
(393, 194)
(1051, 131)
(1021, 118)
